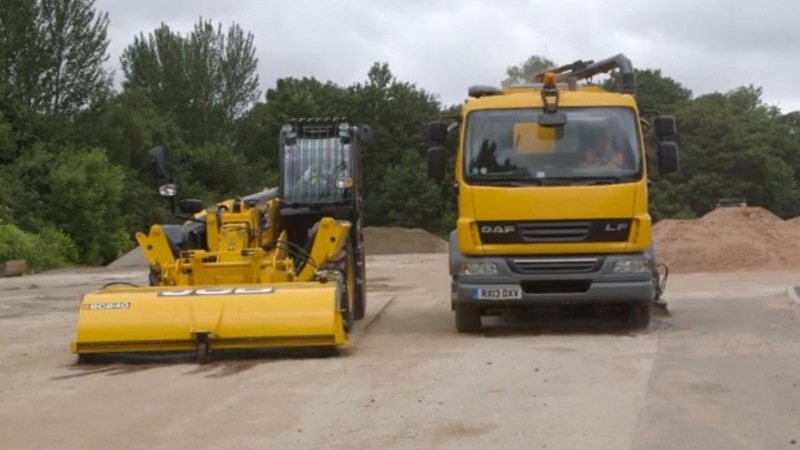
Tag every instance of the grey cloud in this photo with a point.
(445, 46)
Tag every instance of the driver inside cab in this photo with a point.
(599, 153)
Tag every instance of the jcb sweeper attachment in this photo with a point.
(124, 320)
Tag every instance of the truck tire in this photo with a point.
(468, 318)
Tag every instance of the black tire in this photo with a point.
(360, 309)
(154, 277)
(468, 318)
(349, 272)
(639, 315)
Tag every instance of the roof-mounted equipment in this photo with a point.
(479, 91)
(583, 70)
(550, 117)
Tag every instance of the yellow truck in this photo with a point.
(552, 187)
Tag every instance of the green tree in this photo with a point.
(75, 191)
(732, 147)
(654, 90)
(128, 127)
(397, 112)
(526, 72)
(206, 81)
(52, 52)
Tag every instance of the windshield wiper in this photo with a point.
(607, 179)
(513, 182)
(508, 181)
(520, 175)
(509, 178)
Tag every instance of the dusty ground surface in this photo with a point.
(721, 373)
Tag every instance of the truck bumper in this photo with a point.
(535, 281)
(598, 293)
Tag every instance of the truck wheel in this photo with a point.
(639, 314)
(468, 318)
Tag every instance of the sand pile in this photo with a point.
(131, 260)
(729, 239)
(394, 241)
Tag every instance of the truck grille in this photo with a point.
(555, 231)
(552, 232)
(554, 265)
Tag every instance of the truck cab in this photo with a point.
(552, 186)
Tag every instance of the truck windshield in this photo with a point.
(312, 167)
(597, 143)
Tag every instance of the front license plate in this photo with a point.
(498, 293)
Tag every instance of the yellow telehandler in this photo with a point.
(284, 267)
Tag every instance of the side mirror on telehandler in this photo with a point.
(171, 188)
(365, 135)
(160, 173)
(158, 165)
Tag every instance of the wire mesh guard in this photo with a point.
(317, 169)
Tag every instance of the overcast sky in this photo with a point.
(445, 46)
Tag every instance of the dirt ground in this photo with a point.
(719, 371)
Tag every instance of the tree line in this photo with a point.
(75, 187)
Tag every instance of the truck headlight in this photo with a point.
(632, 265)
(478, 268)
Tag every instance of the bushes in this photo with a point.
(49, 249)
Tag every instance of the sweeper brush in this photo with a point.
(150, 319)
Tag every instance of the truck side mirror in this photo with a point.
(664, 126)
(667, 155)
(437, 132)
(437, 162)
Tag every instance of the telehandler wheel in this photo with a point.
(349, 286)
(154, 277)
(468, 318)
(360, 309)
